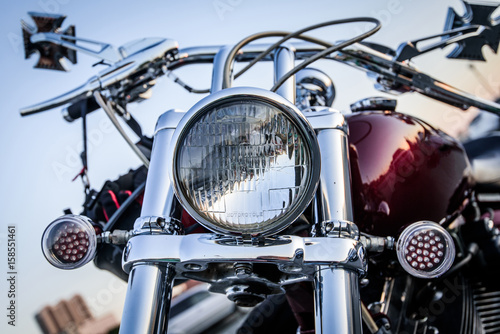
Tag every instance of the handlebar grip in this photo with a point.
(74, 111)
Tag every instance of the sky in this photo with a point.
(39, 153)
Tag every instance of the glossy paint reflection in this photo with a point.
(403, 171)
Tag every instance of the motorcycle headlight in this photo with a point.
(245, 162)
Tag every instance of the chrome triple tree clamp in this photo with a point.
(208, 249)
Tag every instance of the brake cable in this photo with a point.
(83, 156)
(330, 47)
(285, 37)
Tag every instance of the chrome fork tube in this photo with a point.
(336, 295)
(337, 305)
(335, 179)
(284, 61)
(147, 303)
(158, 194)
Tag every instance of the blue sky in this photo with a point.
(39, 153)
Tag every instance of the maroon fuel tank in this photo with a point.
(403, 171)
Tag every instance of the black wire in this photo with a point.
(178, 81)
(234, 51)
(323, 53)
(278, 43)
(184, 85)
(245, 41)
(84, 155)
(286, 36)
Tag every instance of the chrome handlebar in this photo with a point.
(392, 76)
(147, 63)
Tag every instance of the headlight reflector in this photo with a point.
(243, 164)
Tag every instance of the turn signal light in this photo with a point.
(69, 242)
(425, 250)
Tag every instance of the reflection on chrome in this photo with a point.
(247, 156)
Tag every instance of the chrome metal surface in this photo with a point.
(66, 116)
(385, 298)
(207, 248)
(259, 96)
(338, 229)
(218, 69)
(149, 225)
(159, 195)
(147, 302)
(121, 70)
(368, 319)
(397, 77)
(284, 61)
(374, 103)
(109, 110)
(325, 118)
(486, 303)
(377, 244)
(357, 55)
(369, 60)
(314, 84)
(206, 54)
(79, 93)
(117, 237)
(337, 301)
(335, 186)
(169, 120)
(106, 51)
(157, 225)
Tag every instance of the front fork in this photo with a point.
(337, 301)
(337, 304)
(149, 292)
(148, 298)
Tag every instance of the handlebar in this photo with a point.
(126, 73)
(393, 76)
(74, 111)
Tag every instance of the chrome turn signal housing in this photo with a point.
(245, 162)
(425, 250)
(69, 242)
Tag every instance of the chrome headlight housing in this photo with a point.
(245, 162)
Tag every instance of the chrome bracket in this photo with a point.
(193, 254)
(337, 229)
(157, 225)
(117, 237)
(377, 244)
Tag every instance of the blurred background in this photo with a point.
(40, 153)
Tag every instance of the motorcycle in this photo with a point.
(282, 203)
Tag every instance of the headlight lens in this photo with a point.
(244, 164)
